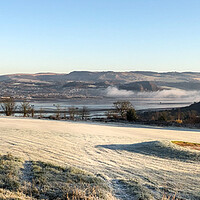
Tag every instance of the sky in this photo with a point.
(119, 35)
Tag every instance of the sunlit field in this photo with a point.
(133, 162)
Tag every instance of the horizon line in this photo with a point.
(93, 71)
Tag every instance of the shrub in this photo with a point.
(131, 115)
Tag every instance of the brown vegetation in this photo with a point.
(8, 106)
(190, 145)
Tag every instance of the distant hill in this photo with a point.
(141, 86)
(182, 85)
(84, 84)
(193, 107)
(121, 77)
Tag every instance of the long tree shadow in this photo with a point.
(161, 149)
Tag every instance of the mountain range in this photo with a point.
(90, 84)
(122, 77)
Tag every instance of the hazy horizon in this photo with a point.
(54, 72)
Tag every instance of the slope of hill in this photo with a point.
(125, 77)
(121, 156)
(140, 86)
(193, 107)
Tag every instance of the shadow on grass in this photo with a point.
(161, 149)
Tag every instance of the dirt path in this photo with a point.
(104, 150)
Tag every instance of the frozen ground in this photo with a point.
(114, 153)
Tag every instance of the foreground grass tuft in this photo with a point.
(173, 197)
(51, 181)
(10, 168)
(39, 180)
(136, 190)
(11, 195)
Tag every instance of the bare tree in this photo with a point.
(32, 111)
(25, 108)
(57, 111)
(72, 112)
(84, 113)
(122, 107)
(64, 113)
(111, 114)
(8, 105)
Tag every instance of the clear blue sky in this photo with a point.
(119, 35)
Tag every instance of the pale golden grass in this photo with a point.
(10, 195)
(191, 145)
(169, 197)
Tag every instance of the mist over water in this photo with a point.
(162, 94)
(164, 99)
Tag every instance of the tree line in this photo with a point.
(9, 108)
(122, 110)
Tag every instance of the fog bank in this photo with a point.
(171, 93)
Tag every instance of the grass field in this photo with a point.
(137, 162)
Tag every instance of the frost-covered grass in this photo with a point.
(10, 172)
(54, 182)
(12, 195)
(48, 181)
(134, 188)
(161, 149)
(112, 153)
(170, 197)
